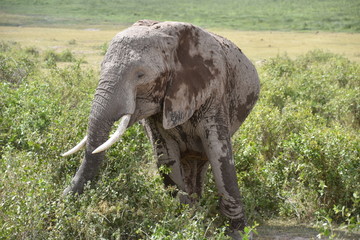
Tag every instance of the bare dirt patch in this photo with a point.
(289, 230)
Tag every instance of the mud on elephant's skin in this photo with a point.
(191, 89)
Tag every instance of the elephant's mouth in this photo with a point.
(124, 123)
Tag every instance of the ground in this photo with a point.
(291, 230)
(258, 46)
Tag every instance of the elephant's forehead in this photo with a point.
(137, 35)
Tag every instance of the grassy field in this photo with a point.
(98, 21)
(90, 42)
(297, 156)
(283, 15)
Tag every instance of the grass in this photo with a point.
(88, 43)
(280, 15)
(296, 156)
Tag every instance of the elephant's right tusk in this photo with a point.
(117, 134)
(76, 148)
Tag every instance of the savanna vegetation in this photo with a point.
(297, 155)
(285, 15)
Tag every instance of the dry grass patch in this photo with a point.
(87, 42)
(263, 45)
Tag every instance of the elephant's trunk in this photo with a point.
(98, 132)
(100, 122)
(119, 131)
(112, 101)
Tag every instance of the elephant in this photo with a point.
(191, 90)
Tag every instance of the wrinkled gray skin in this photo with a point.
(192, 90)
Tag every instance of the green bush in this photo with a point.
(46, 113)
(15, 66)
(297, 155)
(103, 48)
(51, 57)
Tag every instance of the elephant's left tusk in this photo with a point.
(117, 134)
(76, 148)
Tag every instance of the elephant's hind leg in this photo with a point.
(194, 167)
(201, 174)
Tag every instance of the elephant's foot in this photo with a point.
(187, 199)
(236, 229)
(238, 235)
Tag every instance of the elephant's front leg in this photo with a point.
(166, 151)
(217, 145)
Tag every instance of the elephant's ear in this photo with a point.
(195, 76)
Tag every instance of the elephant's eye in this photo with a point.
(140, 75)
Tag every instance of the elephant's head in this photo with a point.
(150, 68)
